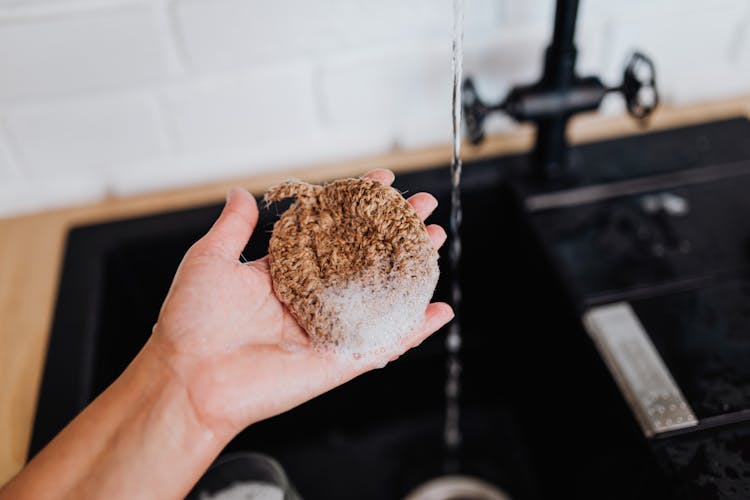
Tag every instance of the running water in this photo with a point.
(452, 431)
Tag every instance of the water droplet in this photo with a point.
(453, 341)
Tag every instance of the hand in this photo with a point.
(239, 353)
(225, 353)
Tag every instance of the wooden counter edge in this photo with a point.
(31, 246)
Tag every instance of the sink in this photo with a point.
(542, 416)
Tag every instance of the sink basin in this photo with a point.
(541, 415)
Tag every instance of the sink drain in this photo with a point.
(457, 487)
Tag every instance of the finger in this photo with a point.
(382, 175)
(437, 235)
(263, 264)
(437, 315)
(339, 369)
(231, 231)
(423, 203)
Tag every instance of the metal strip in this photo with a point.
(640, 373)
(600, 192)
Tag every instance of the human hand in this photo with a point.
(234, 346)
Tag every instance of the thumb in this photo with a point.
(231, 231)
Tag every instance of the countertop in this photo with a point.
(32, 246)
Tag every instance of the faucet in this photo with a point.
(558, 95)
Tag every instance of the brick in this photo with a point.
(409, 89)
(22, 196)
(25, 8)
(64, 54)
(227, 33)
(698, 55)
(391, 88)
(325, 145)
(407, 92)
(91, 136)
(8, 170)
(516, 55)
(243, 111)
(532, 12)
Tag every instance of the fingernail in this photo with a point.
(452, 313)
(433, 203)
(233, 193)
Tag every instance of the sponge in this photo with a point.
(353, 263)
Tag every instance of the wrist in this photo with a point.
(143, 426)
(189, 380)
(161, 426)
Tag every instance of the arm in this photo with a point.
(219, 359)
(140, 438)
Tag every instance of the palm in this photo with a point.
(243, 355)
(243, 295)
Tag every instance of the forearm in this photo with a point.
(139, 439)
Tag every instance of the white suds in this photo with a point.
(247, 491)
(373, 318)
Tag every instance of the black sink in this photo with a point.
(541, 415)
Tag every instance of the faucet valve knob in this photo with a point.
(639, 87)
(475, 111)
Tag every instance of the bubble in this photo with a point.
(375, 318)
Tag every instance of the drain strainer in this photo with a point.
(457, 487)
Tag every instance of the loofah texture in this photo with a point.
(352, 262)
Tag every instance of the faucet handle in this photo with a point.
(475, 111)
(548, 100)
(639, 86)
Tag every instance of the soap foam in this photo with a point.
(246, 491)
(375, 318)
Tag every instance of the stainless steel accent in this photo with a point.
(599, 192)
(669, 203)
(643, 378)
(457, 487)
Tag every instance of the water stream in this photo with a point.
(452, 431)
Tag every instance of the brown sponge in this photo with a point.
(352, 262)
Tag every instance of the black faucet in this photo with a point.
(559, 94)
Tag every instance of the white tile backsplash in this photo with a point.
(125, 96)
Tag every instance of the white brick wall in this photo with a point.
(224, 34)
(8, 170)
(702, 53)
(101, 96)
(88, 136)
(243, 110)
(52, 55)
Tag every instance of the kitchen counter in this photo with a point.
(32, 246)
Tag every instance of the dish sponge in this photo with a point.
(353, 263)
